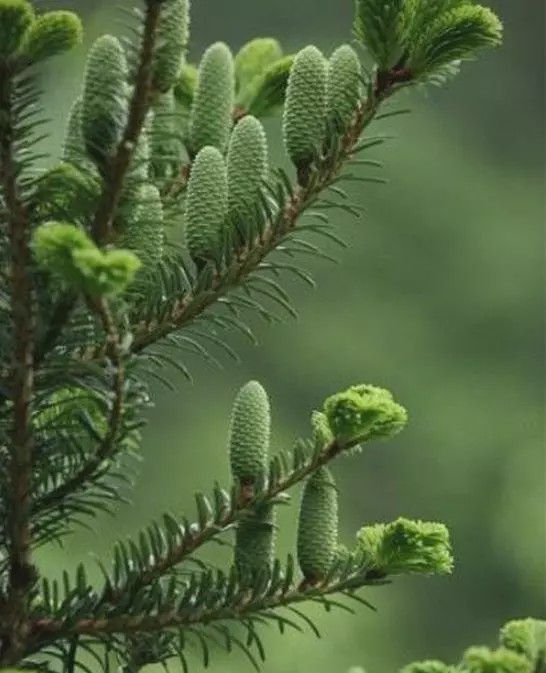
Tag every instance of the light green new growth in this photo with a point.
(431, 666)
(206, 205)
(144, 233)
(51, 34)
(212, 110)
(247, 165)
(484, 660)
(255, 542)
(525, 636)
(69, 254)
(172, 40)
(15, 18)
(184, 89)
(363, 413)
(249, 435)
(164, 143)
(344, 86)
(305, 107)
(406, 546)
(318, 526)
(454, 35)
(104, 102)
(252, 59)
(383, 27)
(265, 94)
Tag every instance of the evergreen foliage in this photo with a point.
(95, 295)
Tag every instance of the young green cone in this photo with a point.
(305, 107)
(172, 40)
(255, 542)
(144, 233)
(318, 526)
(249, 435)
(206, 205)
(343, 86)
(211, 116)
(165, 147)
(104, 101)
(247, 168)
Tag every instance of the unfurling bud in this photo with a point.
(172, 40)
(525, 636)
(405, 546)
(484, 660)
(206, 205)
(104, 102)
(265, 94)
(52, 33)
(255, 542)
(247, 165)
(318, 526)
(363, 413)
(249, 435)
(16, 16)
(212, 110)
(305, 107)
(343, 86)
(253, 58)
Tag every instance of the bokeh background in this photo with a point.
(439, 298)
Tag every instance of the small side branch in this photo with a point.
(138, 109)
(21, 384)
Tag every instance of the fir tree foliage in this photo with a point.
(97, 298)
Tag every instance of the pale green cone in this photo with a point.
(249, 435)
(211, 117)
(318, 526)
(343, 91)
(255, 542)
(172, 40)
(206, 205)
(144, 231)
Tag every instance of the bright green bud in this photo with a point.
(318, 526)
(16, 16)
(104, 101)
(184, 89)
(212, 110)
(70, 255)
(363, 413)
(525, 636)
(172, 40)
(249, 435)
(51, 34)
(206, 205)
(65, 192)
(144, 232)
(484, 660)
(265, 94)
(106, 273)
(343, 86)
(322, 433)
(255, 542)
(456, 34)
(253, 58)
(247, 166)
(305, 107)
(383, 27)
(165, 146)
(406, 546)
(431, 666)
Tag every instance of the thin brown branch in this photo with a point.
(138, 109)
(21, 383)
(246, 606)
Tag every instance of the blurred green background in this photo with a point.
(439, 298)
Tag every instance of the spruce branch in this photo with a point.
(138, 109)
(21, 573)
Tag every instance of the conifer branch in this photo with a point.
(21, 573)
(138, 109)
